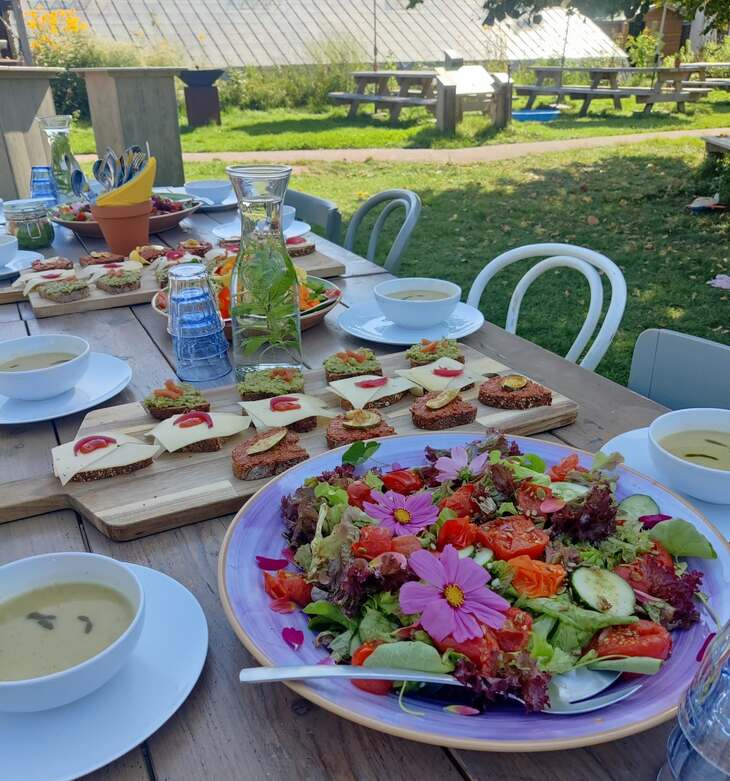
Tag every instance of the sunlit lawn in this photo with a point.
(627, 202)
(243, 131)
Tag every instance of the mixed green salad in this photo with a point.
(484, 563)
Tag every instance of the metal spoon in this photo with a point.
(562, 701)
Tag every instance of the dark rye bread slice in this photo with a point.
(104, 284)
(279, 458)
(339, 434)
(493, 394)
(204, 446)
(52, 264)
(54, 292)
(104, 257)
(456, 413)
(332, 376)
(384, 401)
(101, 474)
(304, 425)
(163, 413)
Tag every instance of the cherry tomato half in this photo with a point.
(459, 532)
(373, 541)
(288, 585)
(402, 481)
(461, 501)
(483, 651)
(515, 631)
(644, 638)
(357, 493)
(513, 536)
(406, 544)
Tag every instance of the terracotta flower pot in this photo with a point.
(124, 227)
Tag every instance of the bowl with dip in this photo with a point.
(691, 451)
(215, 190)
(41, 366)
(417, 302)
(68, 622)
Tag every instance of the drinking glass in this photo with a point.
(264, 290)
(58, 130)
(201, 348)
(699, 747)
(43, 185)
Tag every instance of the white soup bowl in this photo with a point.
(216, 190)
(60, 688)
(8, 248)
(416, 314)
(35, 384)
(702, 482)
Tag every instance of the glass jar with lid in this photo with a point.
(28, 221)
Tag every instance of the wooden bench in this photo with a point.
(709, 84)
(394, 103)
(716, 146)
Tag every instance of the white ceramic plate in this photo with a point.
(231, 231)
(367, 322)
(68, 742)
(634, 447)
(105, 377)
(22, 260)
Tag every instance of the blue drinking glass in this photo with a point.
(201, 348)
(43, 185)
(699, 747)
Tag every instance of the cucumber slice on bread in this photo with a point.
(604, 591)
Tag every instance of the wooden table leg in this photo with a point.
(586, 105)
(362, 83)
(613, 81)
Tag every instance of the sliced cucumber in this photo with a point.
(568, 491)
(604, 591)
(645, 665)
(465, 553)
(483, 556)
(636, 505)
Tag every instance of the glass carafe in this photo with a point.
(58, 130)
(264, 290)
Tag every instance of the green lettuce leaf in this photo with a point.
(375, 626)
(681, 538)
(409, 655)
(328, 613)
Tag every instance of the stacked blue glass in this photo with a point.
(43, 184)
(201, 348)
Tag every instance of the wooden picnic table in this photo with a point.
(225, 732)
(415, 88)
(669, 85)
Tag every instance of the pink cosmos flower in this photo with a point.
(454, 600)
(458, 467)
(402, 514)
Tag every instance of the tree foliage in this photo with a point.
(717, 12)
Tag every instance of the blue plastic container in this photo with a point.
(536, 115)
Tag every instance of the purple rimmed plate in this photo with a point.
(256, 531)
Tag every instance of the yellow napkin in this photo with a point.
(136, 190)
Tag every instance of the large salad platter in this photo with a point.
(263, 587)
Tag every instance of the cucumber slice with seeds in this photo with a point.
(636, 505)
(604, 591)
(483, 556)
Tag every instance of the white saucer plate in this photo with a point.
(231, 231)
(367, 322)
(207, 204)
(634, 447)
(22, 260)
(71, 741)
(105, 377)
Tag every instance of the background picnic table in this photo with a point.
(226, 732)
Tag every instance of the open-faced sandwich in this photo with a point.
(93, 258)
(299, 246)
(52, 264)
(162, 265)
(265, 384)
(174, 399)
(437, 411)
(98, 456)
(370, 391)
(198, 432)
(63, 291)
(514, 392)
(266, 454)
(356, 425)
(440, 375)
(295, 411)
(427, 351)
(194, 247)
(118, 280)
(35, 280)
(147, 253)
(351, 363)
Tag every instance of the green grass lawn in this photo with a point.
(244, 131)
(627, 202)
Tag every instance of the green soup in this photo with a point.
(702, 447)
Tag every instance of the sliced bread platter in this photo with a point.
(181, 456)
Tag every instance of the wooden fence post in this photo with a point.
(135, 105)
(501, 106)
(25, 95)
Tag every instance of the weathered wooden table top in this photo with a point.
(225, 732)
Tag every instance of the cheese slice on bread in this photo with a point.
(175, 437)
(442, 374)
(355, 390)
(265, 415)
(119, 455)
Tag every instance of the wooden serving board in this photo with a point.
(187, 487)
(317, 265)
